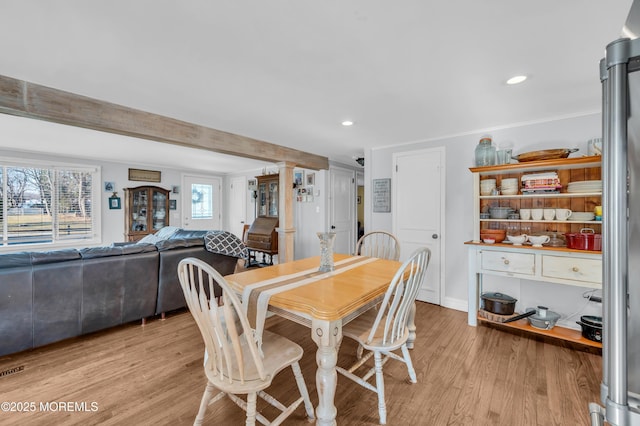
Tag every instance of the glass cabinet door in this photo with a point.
(139, 210)
(273, 199)
(262, 199)
(158, 212)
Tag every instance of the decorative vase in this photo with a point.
(326, 251)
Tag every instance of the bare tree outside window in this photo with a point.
(44, 205)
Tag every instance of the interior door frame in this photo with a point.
(441, 237)
(352, 205)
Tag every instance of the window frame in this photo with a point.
(56, 242)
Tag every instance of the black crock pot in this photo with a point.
(591, 327)
(499, 303)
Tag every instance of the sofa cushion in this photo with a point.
(174, 243)
(140, 284)
(138, 248)
(95, 252)
(188, 233)
(15, 260)
(16, 305)
(57, 296)
(41, 258)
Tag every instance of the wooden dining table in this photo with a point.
(322, 301)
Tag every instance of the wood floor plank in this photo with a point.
(152, 375)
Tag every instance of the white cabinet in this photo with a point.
(549, 264)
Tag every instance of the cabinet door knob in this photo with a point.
(575, 269)
(506, 261)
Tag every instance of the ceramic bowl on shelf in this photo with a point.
(500, 212)
(496, 234)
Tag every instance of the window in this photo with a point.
(47, 205)
(201, 201)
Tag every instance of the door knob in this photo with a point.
(333, 227)
(434, 236)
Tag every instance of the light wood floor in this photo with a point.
(152, 375)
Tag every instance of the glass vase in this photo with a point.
(326, 251)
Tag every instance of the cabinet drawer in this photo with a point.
(569, 268)
(518, 263)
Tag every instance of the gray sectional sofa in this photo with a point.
(50, 296)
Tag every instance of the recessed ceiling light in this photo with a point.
(517, 79)
(347, 123)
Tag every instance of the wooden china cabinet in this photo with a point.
(262, 236)
(146, 210)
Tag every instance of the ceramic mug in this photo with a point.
(536, 214)
(563, 214)
(549, 214)
(525, 214)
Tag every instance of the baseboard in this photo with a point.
(457, 304)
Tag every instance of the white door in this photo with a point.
(237, 205)
(418, 212)
(201, 202)
(342, 201)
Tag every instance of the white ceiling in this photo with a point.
(289, 71)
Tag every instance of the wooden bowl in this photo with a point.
(497, 234)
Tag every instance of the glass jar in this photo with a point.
(485, 153)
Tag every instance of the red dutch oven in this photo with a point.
(586, 239)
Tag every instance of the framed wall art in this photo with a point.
(381, 195)
(144, 175)
(114, 202)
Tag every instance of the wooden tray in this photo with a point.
(545, 154)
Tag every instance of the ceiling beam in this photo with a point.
(21, 98)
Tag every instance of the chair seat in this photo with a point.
(359, 330)
(279, 352)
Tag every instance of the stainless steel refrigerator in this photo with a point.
(620, 75)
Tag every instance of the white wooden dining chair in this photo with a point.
(379, 244)
(386, 330)
(233, 363)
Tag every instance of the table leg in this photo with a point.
(412, 326)
(327, 335)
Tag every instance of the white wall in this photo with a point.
(562, 133)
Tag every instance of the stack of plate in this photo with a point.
(509, 186)
(487, 186)
(582, 216)
(594, 186)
